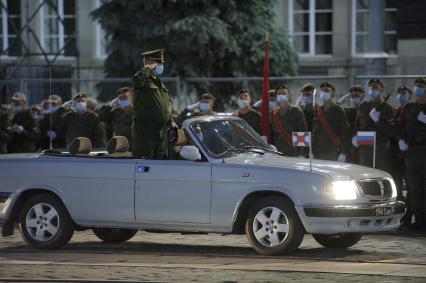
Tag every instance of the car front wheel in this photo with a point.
(273, 226)
(45, 222)
(112, 235)
(337, 241)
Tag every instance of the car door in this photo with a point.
(172, 191)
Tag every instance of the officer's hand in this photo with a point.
(355, 141)
(374, 115)
(17, 128)
(403, 146)
(422, 117)
(51, 134)
(192, 106)
(341, 158)
(114, 102)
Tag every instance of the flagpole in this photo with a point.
(374, 151)
(265, 90)
(310, 152)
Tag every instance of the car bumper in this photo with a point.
(351, 218)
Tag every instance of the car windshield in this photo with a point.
(224, 138)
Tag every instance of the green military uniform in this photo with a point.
(322, 144)
(151, 110)
(119, 120)
(50, 123)
(292, 120)
(253, 118)
(414, 133)
(352, 114)
(86, 125)
(384, 129)
(27, 140)
(5, 134)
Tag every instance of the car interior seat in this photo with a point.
(80, 146)
(118, 146)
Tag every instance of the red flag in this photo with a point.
(265, 91)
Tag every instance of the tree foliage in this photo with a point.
(201, 37)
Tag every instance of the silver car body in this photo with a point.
(182, 195)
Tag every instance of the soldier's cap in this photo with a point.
(36, 107)
(377, 81)
(282, 87)
(357, 88)
(124, 89)
(420, 81)
(19, 96)
(207, 95)
(272, 93)
(404, 88)
(80, 95)
(155, 55)
(307, 87)
(53, 99)
(242, 90)
(329, 85)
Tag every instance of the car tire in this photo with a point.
(111, 235)
(337, 241)
(273, 226)
(45, 222)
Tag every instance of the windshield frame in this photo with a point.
(202, 147)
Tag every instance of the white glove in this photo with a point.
(265, 138)
(257, 104)
(114, 102)
(51, 134)
(341, 158)
(192, 106)
(422, 117)
(403, 146)
(17, 128)
(374, 115)
(355, 141)
(67, 105)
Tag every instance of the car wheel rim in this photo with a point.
(42, 222)
(270, 227)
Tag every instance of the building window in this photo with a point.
(310, 26)
(10, 24)
(58, 26)
(101, 40)
(360, 27)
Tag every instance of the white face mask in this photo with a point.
(282, 99)
(272, 105)
(204, 107)
(80, 106)
(159, 69)
(243, 103)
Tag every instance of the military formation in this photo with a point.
(144, 112)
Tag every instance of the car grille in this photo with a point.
(376, 188)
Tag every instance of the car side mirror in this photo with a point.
(190, 152)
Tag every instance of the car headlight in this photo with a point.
(394, 192)
(341, 190)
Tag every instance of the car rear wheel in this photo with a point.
(273, 226)
(111, 235)
(337, 241)
(45, 222)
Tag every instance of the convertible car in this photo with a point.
(220, 177)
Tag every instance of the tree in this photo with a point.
(201, 37)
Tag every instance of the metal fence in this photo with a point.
(185, 91)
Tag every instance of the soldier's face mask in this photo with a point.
(272, 105)
(243, 103)
(282, 99)
(204, 107)
(308, 100)
(80, 106)
(419, 91)
(124, 103)
(373, 93)
(402, 98)
(158, 70)
(325, 96)
(18, 109)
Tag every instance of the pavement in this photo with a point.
(398, 256)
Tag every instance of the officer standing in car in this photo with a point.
(151, 107)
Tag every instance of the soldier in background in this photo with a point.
(246, 112)
(273, 103)
(5, 134)
(377, 116)
(82, 122)
(307, 91)
(284, 120)
(203, 107)
(330, 127)
(413, 143)
(48, 125)
(357, 97)
(118, 115)
(23, 127)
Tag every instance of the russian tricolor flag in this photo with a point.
(366, 138)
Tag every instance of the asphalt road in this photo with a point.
(399, 256)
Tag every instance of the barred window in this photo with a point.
(10, 24)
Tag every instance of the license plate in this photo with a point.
(383, 211)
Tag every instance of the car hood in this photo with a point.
(331, 168)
